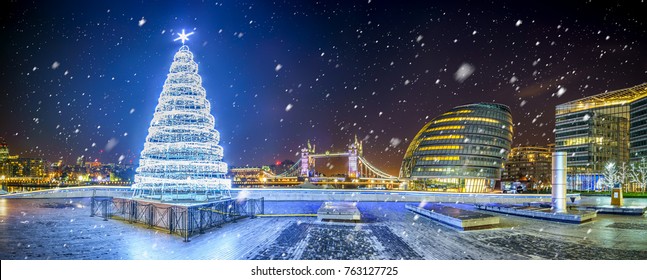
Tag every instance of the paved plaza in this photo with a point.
(63, 229)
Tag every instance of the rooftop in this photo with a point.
(616, 97)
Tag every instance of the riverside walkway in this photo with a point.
(63, 229)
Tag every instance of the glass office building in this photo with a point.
(611, 126)
(638, 127)
(462, 150)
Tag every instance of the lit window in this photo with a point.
(441, 137)
(479, 119)
(449, 127)
(581, 141)
(439, 158)
(458, 112)
(429, 148)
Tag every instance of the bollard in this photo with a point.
(558, 194)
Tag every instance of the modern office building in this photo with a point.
(529, 165)
(594, 130)
(638, 127)
(462, 150)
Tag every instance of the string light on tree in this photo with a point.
(181, 157)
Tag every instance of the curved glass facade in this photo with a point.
(462, 150)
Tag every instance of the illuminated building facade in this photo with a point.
(16, 166)
(462, 150)
(606, 127)
(4, 156)
(638, 128)
(4, 151)
(530, 165)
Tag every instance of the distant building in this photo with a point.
(530, 165)
(462, 150)
(610, 126)
(4, 151)
(253, 177)
(4, 156)
(243, 175)
(26, 167)
(14, 166)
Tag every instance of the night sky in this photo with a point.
(83, 78)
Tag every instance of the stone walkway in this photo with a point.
(48, 229)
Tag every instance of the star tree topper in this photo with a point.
(183, 36)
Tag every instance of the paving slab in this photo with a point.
(336, 210)
(455, 217)
(530, 211)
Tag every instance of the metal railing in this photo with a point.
(183, 220)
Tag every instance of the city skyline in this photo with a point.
(74, 84)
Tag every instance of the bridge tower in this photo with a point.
(307, 162)
(354, 152)
(305, 158)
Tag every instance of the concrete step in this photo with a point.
(455, 217)
(610, 209)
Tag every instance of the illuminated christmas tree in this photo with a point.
(181, 157)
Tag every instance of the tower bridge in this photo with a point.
(359, 173)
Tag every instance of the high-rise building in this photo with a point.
(594, 130)
(530, 165)
(462, 150)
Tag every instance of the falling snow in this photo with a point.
(463, 72)
(394, 142)
(561, 91)
(382, 69)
